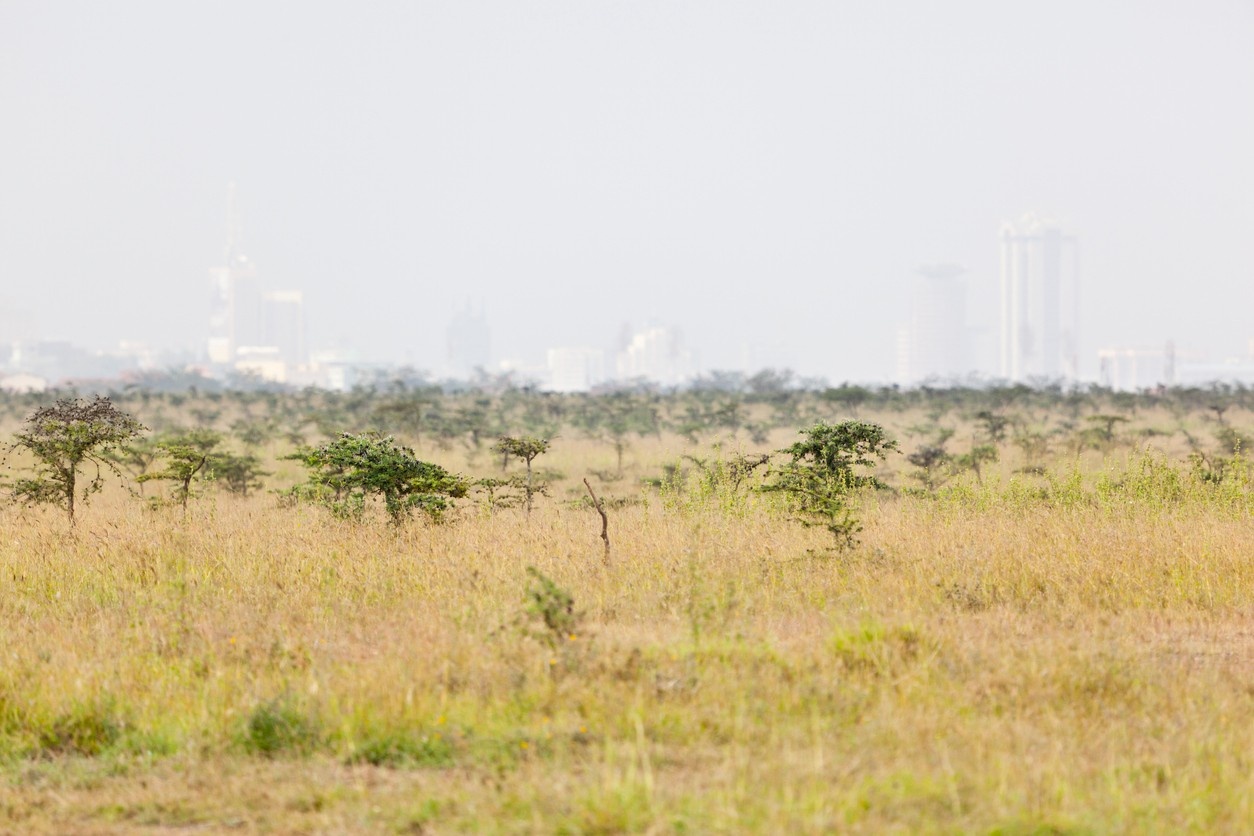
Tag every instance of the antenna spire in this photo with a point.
(234, 229)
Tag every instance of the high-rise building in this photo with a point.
(656, 354)
(903, 354)
(234, 309)
(575, 369)
(469, 343)
(1130, 369)
(283, 324)
(235, 297)
(933, 345)
(1040, 301)
(251, 329)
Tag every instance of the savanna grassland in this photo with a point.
(1056, 637)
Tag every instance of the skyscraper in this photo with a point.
(1040, 301)
(283, 324)
(234, 309)
(933, 345)
(575, 369)
(469, 343)
(235, 296)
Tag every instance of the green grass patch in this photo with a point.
(404, 749)
(280, 727)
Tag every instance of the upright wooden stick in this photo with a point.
(605, 521)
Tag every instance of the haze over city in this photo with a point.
(767, 179)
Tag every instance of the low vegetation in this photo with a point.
(806, 626)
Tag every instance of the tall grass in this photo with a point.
(1071, 651)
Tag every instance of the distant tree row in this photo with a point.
(715, 408)
(219, 437)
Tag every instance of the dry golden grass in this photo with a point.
(982, 662)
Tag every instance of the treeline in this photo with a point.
(713, 408)
(358, 448)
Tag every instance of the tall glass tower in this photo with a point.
(1040, 301)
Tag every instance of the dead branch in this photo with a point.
(605, 521)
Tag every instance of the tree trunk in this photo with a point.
(69, 494)
(529, 487)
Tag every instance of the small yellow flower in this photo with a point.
(523, 744)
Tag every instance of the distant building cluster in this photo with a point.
(1128, 369)
(1038, 335)
(258, 334)
(38, 365)
(252, 330)
(656, 354)
(575, 369)
(1038, 312)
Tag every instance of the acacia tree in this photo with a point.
(993, 424)
(239, 474)
(1101, 434)
(188, 457)
(526, 448)
(934, 463)
(825, 469)
(135, 458)
(253, 434)
(344, 474)
(499, 493)
(64, 437)
(975, 459)
(614, 417)
(846, 397)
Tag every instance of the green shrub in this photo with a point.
(552, 608)
(278, 727)
(404, 749)
(86, 730)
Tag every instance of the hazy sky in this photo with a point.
(767, 175)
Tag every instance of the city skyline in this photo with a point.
(768, 182)
(259, 332)
(950, 353)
